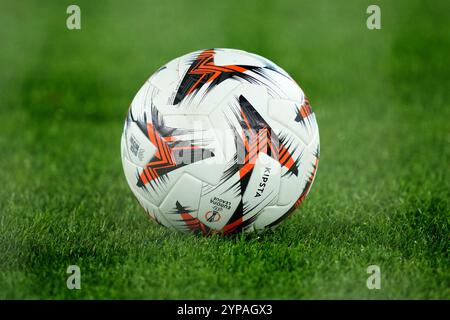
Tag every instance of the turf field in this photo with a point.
(381, 196)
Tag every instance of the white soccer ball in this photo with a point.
(220, 141)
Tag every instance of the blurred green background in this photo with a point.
(381, 195)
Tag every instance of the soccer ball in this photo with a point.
(220, 141)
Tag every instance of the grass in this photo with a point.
(381, 195)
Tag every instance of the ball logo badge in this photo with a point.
(212, 216)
